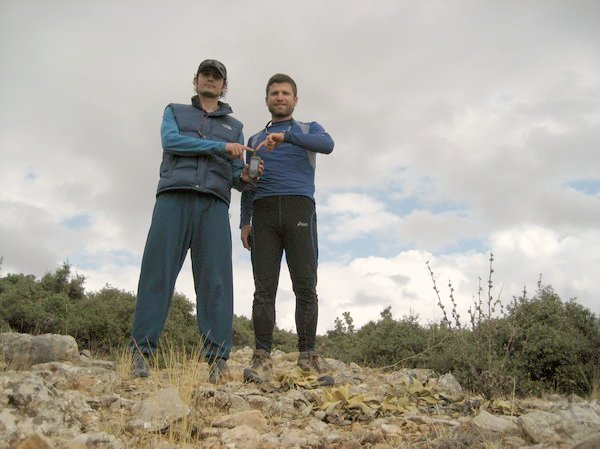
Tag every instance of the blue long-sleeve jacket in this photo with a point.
(194, 156)
(290, 167)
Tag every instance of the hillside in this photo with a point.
(54, 397)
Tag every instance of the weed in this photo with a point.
(484, 364)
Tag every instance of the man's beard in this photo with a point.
(208, 94)
(279, 114)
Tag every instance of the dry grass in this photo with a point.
(180, 370)
(190, 376)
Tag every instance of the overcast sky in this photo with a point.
(461, 128)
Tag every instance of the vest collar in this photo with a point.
(224, 108)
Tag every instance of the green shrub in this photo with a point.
(381, 343)
(243, 333)
(528, 346)
(556, 344)
(101, 321)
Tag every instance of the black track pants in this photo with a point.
(284, 223)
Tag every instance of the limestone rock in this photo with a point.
(540, 426)
(243, 436)
(448, 385)
(159, 411)
(299, 438)
(21, 351)
(252, 418)
(592, 442)
(35, 441)
(491, 423)
(94, 441)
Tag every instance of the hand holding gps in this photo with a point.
(254, 166)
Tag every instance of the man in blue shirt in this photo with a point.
(202, 159)
(279, 215)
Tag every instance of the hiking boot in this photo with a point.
(309, 361)
(139, 365)
(218, 368)
(261, 360)
(261, 367)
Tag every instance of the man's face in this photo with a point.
(281, 100)
(209, 83)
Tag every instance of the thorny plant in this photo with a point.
(477, 313)
(485, 366)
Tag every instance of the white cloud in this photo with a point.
(351, 215)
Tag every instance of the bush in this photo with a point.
(31, 306)
(532, 345)
(243, 333)
(556, 344)
(377, 344)
(529, 346)
(101, 321)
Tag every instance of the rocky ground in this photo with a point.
(54, 397)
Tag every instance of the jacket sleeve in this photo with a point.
(176, 143)
(317, 140)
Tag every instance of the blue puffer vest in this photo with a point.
(211, 173)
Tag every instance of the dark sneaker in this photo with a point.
(218, 368)
(310, 361)
(139, 365)
(261, 367)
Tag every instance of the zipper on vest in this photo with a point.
(203, 117)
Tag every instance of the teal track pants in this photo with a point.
(200, 223)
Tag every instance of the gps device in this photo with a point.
(254, 164)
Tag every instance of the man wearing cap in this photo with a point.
(202, 159)
(278, 215)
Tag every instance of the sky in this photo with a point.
(461, 129)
